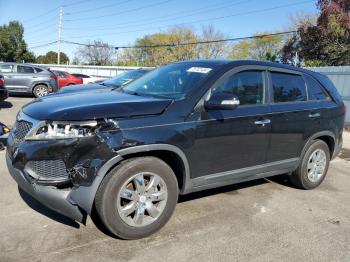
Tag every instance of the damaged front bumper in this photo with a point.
(79, 164)
(50, 196)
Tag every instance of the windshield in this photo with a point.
(124, 78)
(173, 81)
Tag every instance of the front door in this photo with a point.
(24, 77)
(228, 140)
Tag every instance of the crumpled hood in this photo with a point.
(94, 105)
(83, 88)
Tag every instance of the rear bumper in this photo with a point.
(337, 148)
(50, 196)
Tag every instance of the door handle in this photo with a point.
(314, 115)
(34, 77)
(262, 122)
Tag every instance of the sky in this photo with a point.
(121, 22)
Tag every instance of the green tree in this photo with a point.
(263, 48)
(12, 45)
(152, 53)
(51, 58)
(327, 42)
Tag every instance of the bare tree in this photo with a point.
(96, 53)
(214, 49)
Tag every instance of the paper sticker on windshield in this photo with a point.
(202, 70)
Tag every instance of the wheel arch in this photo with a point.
(38, 83)
(84, 197)
(326, 136)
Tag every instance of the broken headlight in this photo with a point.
(62, 130)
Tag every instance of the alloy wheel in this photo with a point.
(142, 199)
(316, 165)
(41, 91)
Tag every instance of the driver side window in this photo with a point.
(248, 86)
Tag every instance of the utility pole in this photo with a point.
(59, 35)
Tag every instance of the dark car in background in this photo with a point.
(115, 82)
(66, 79)
(3, 90)
(125, 155)
(28, 79)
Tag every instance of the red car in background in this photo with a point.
(66, 79)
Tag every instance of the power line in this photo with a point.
(39, 16)
(170, 16)
(43, 23)
(126, 11)
(52, 10)
(184, 44)
(198, 21)
(43, 45)
(43, 28)
(99, 8)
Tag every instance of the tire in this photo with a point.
(40, 91)
(304, 177)
(126, 177)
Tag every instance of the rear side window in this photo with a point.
(315, 90)
(248, 86)
(38, 70)
(25, 69)
(6, 68)
(288, 87)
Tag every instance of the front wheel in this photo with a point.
(313, 167)
(137, 197)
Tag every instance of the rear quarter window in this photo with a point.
(288, 87)
(316, 91)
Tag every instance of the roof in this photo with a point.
(24, 64)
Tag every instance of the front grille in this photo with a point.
(54, 170)
(22, 128)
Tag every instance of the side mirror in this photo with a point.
(222, 101)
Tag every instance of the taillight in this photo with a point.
(2, 83)
(53, 77)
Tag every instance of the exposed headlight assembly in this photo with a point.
(62, 130)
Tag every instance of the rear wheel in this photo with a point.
(313, 167)
(137, 197)
(41, 90)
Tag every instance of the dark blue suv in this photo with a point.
(184, 127)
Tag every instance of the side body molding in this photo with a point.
(84, 196)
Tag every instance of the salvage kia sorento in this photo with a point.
(128, 153)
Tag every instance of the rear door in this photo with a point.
(290, 115)
(24, 78)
